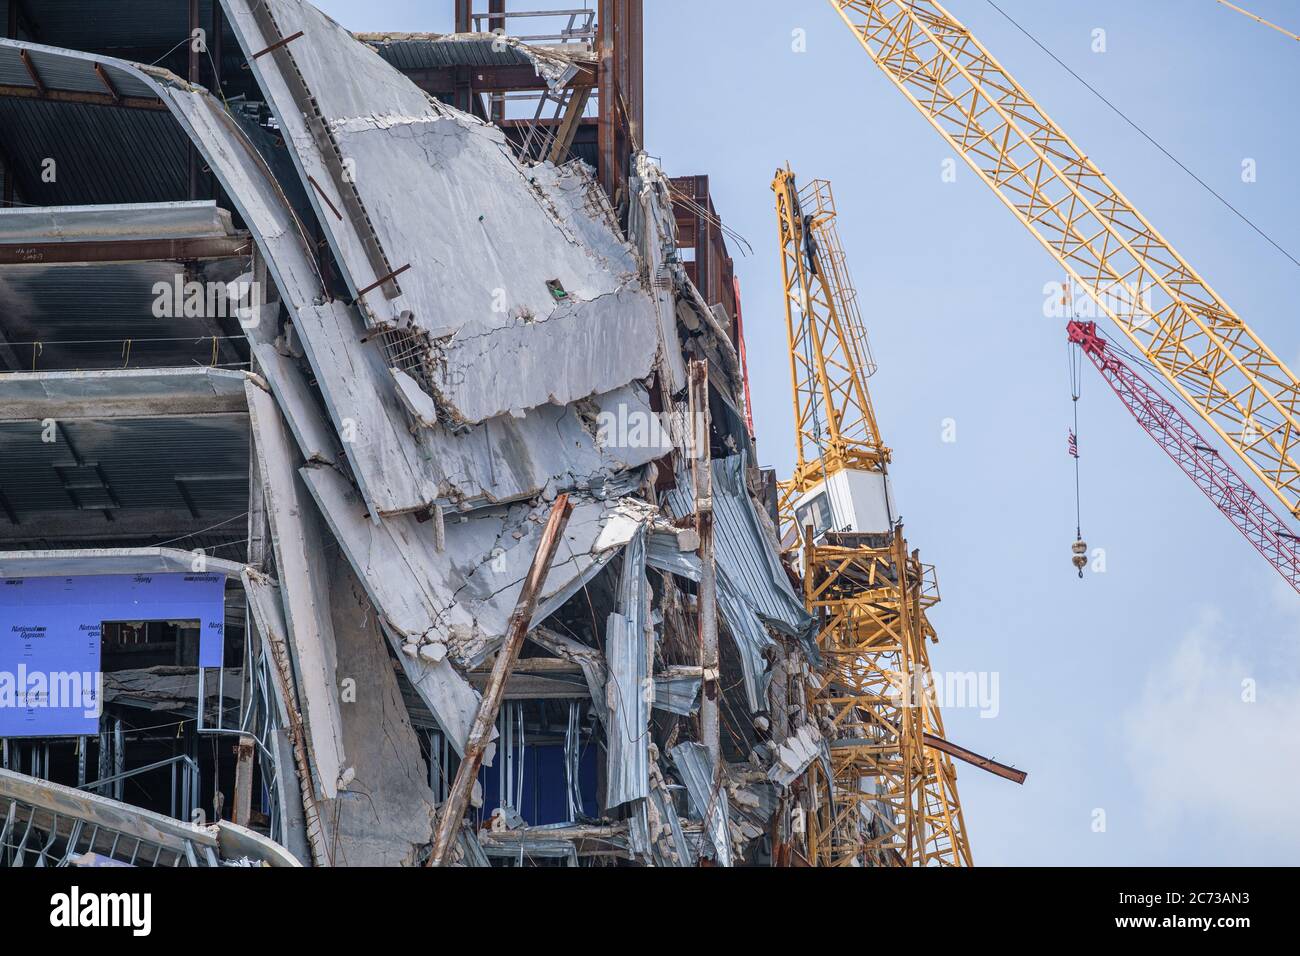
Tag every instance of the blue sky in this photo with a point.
(1121, 692)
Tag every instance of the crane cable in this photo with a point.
(1074, 359)
(1148, 137)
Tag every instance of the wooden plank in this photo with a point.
(453, 809)
(569, 126)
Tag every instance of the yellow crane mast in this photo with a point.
(835, 425)
(1169, 313)
(892, 799)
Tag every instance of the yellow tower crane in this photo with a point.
(892, 799)
(1169, 313)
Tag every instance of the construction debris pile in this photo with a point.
(443, 334)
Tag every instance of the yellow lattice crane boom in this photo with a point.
(1173, 317)
(835, 424)
(891, 799)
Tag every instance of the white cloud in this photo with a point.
(1210, 767)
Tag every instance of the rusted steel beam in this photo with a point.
(605, 138)
(497, 22)
(127, 250)
(108, 84)
(480, 732)
(32, 72)
(277, 44)
(388, 277)
(89, 99)
(975, 760)
(325, 198)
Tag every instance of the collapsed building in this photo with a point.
(303, 334)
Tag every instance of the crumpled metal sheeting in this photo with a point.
(590, 659)
(751, 638)
(674, 693)
(664, 554)
(628, 656)
(668, 840)
(652, 224)
(747, 549)
(677, 694)
(708, 804)
(753, 590)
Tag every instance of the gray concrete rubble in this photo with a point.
(441, 340)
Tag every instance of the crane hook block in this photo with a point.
(1080, 559)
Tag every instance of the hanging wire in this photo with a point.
(1148, 137)
(690, 203)
(1074, 355)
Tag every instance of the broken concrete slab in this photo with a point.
(384, 815)
(580, 349)
(121, 393)
(296, 538)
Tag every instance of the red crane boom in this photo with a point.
(1199, 461)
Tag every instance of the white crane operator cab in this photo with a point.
(849, 501)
